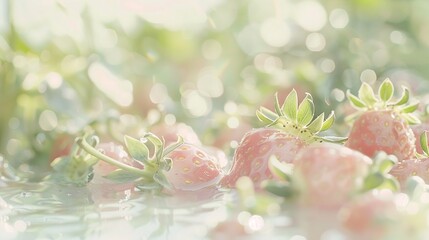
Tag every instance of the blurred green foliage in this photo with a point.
(66, 64)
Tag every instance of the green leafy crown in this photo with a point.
(367, 100)
(298, 118)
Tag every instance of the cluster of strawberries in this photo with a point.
(289, 157)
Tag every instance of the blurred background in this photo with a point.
(67, 64)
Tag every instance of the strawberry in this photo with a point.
(170, 133)
(62, 146)
(387, 215)
(289, 128)
(368, 215)
(178, 167)
(327, 175)
(418, 166)
(383, 125)
(418, 130)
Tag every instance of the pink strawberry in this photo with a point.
(177, 167)
(383, 214)
(414, 167)
(192, 168)
(383, 125)
(170, 133)
(328, 174)
(370, 215)
(325, 176)
(418, 130)
(257, 146)
(418, 166)
(291, 127)
(62, 146)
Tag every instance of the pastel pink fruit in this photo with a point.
(327, 174)
(370, 215)
(383, 124)
(418, 129)
(257, 146)
(413, 167)
(170, 133)
(192, 168)
(290, 128)
(114, 151)
(386, 131)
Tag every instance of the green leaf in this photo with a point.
(411, 119)
(316, 125)
(305, 111)
(390, 183)
(266, 116)
(281, 170)
(122, 176)
(173, 146)
(149, 186)
(328, 122)
(424, 143)
(157, 143)
(333, 139)
(277, 106)
(137, 149)
(355, 101)
(160, 178)
(410, 108)
(386, 90)
(373, 181)
(404, 98)
(386, 163)
(366, 94)
(281, 189)
(290, 105)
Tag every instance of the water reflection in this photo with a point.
(51, 211)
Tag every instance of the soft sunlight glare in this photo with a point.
(310, 15)
(117, 89)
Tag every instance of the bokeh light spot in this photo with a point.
(338, 18)
(310, 15)
(315, 42)
(275, 32)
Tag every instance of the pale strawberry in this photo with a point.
(418, 130)
(369, 216)
(414, 167)
(177, 167)
(383, 125)
(192, 168)
(418, 166)
(257, 146)
(289, 128)
(325, 176)
(382, 130)
(383, 214)
(329, 174)
(170, 133)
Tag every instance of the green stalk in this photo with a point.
(147, 173)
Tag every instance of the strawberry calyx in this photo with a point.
(76, 167)
(152, 176)
(423, 141)
(378, 177)
(298, 118)
(367, 100)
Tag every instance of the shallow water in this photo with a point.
(50, 211)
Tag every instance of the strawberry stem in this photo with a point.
(147, 173)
